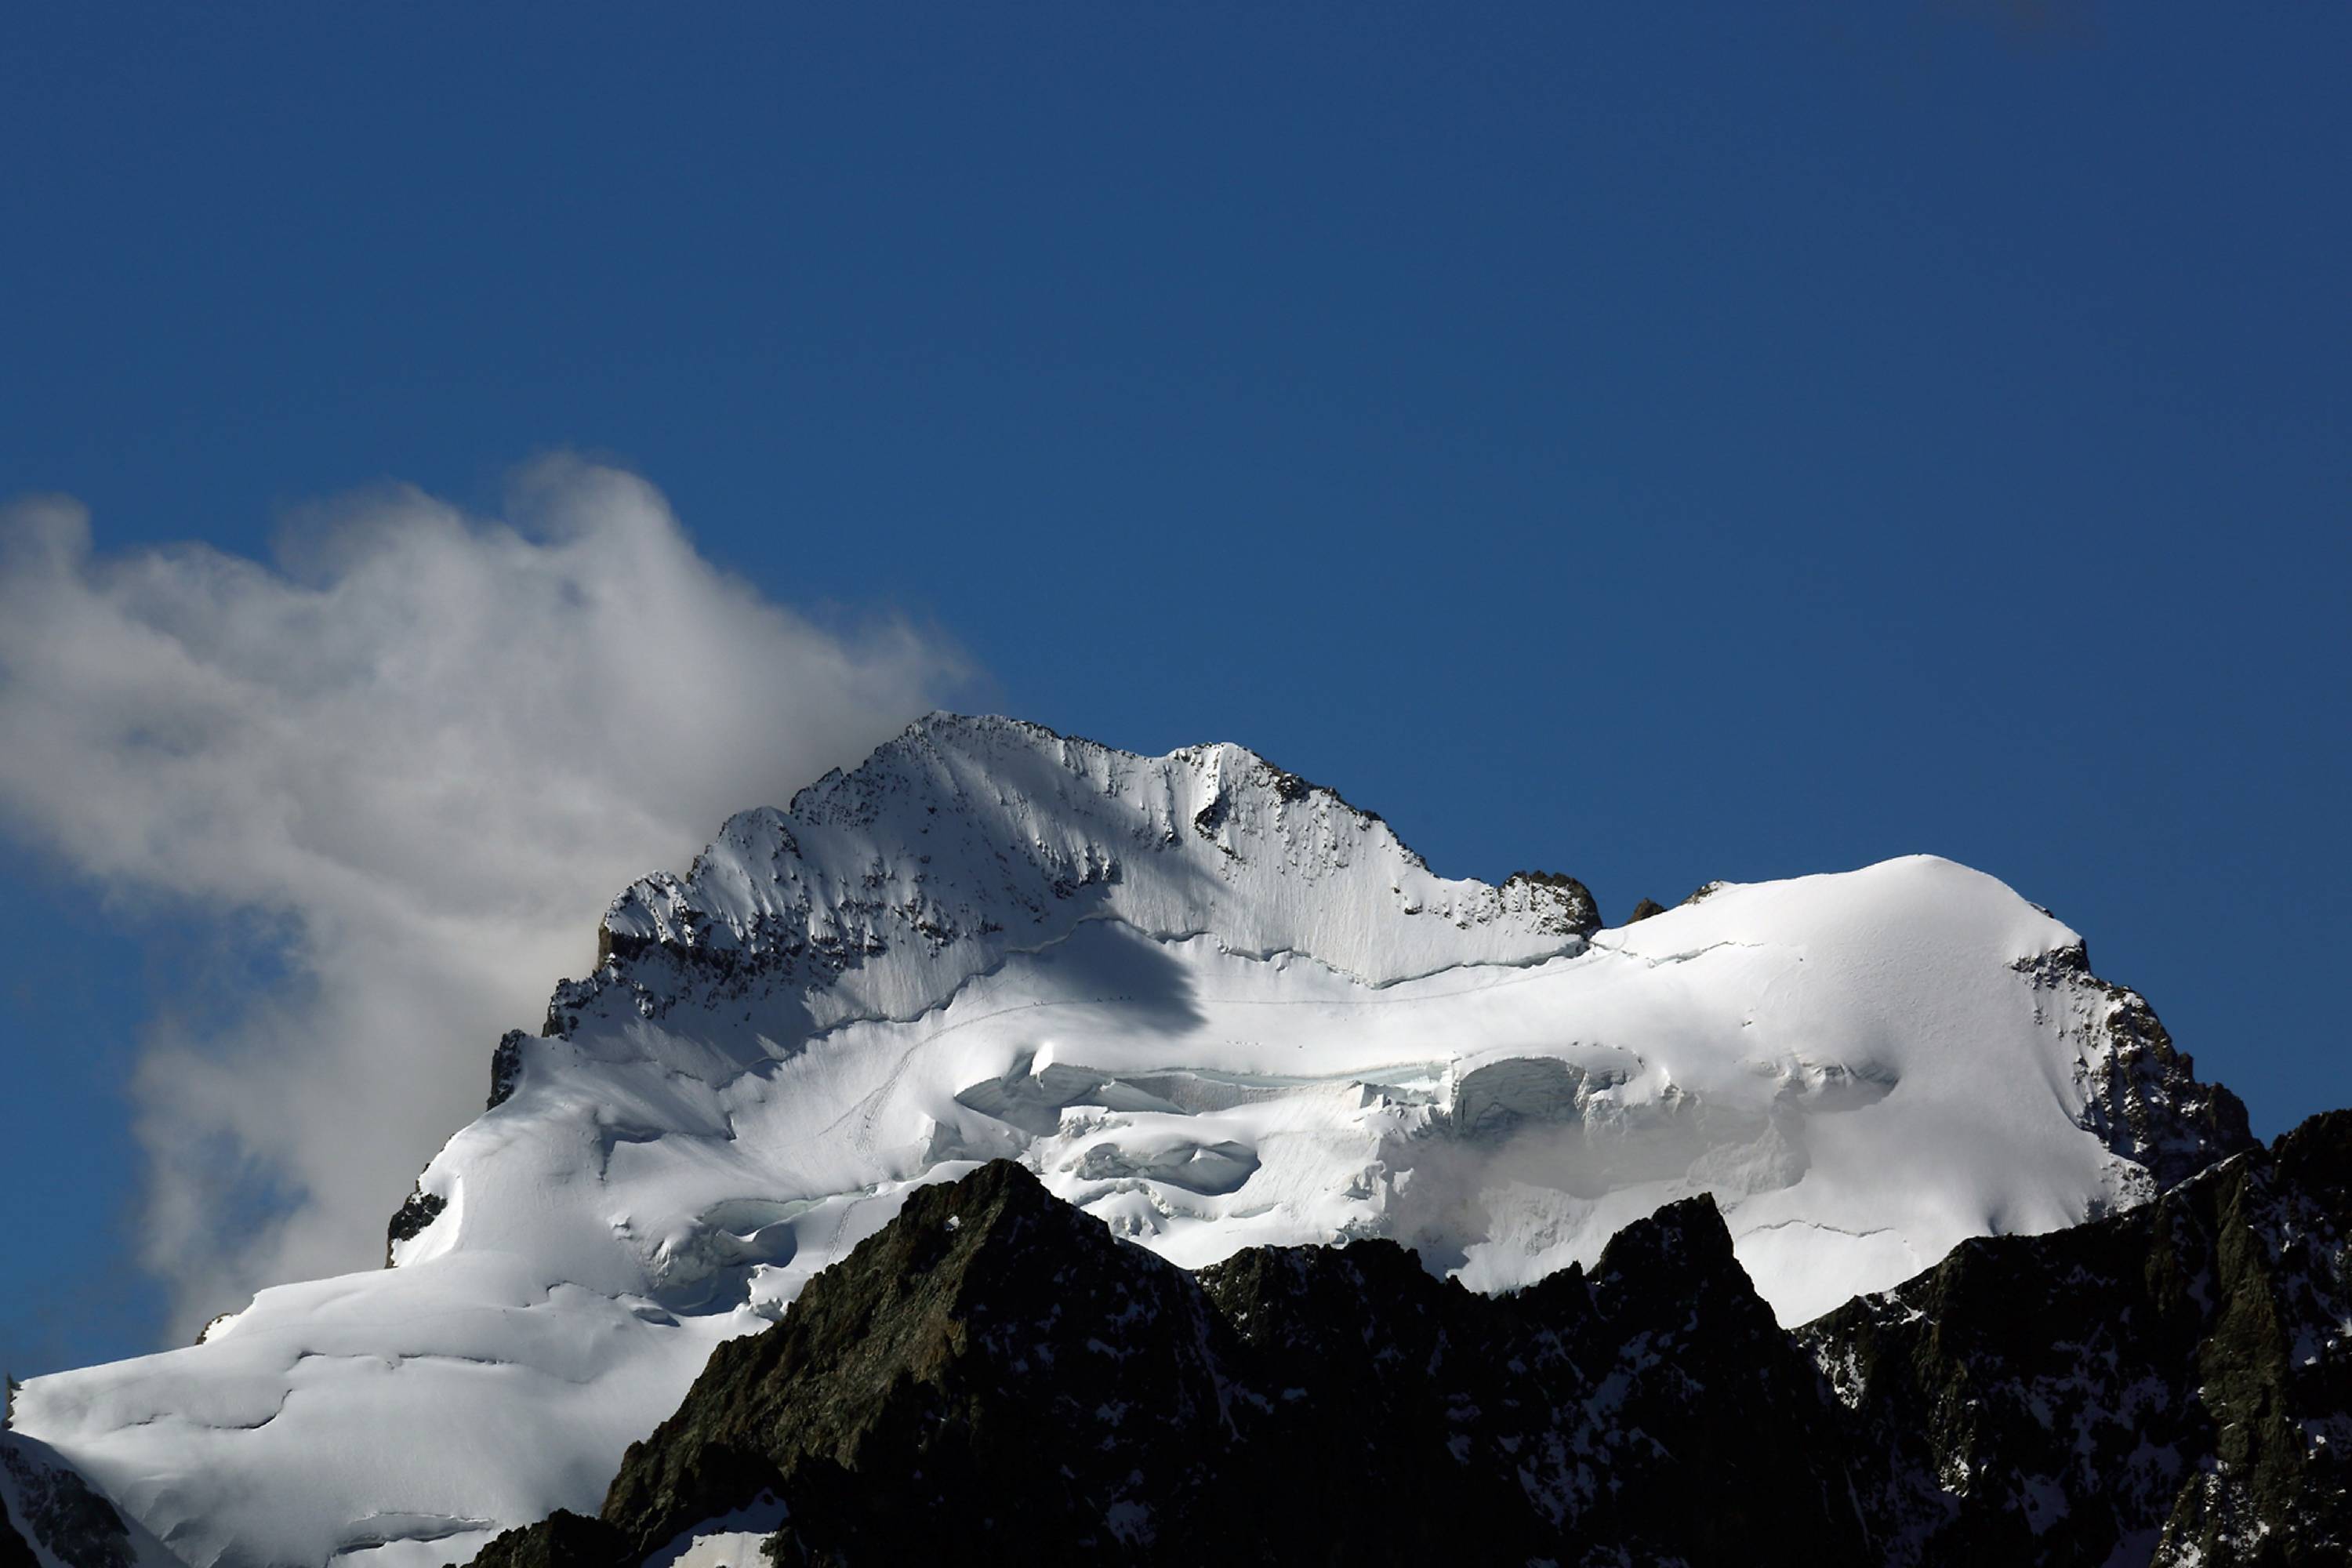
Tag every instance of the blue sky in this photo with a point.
(1730, 443)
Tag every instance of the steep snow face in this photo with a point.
(1208, 1002)
(968, 841)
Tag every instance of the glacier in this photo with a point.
(1207, 1002)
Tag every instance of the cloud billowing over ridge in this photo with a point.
(422, 749)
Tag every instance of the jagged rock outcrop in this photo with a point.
(1570, 1420)
(44, 1503)
(506, 1068)
(418, 1210)
(2141, 1092)
(1575, 910)
(2171, 1385)
(995, 1378)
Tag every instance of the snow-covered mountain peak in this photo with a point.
(1208, 1003)
(964, 839)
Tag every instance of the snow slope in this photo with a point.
(1208, 1002)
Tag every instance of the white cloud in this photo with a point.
(422, 750)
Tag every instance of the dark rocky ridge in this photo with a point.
(994, 1377)
(409, 1221)
(2141, 1093)
(56, 1508)
(2171, 1385)
(1577, 910)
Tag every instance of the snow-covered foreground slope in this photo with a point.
(1207, 1002)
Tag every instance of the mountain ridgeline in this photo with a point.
(1269, 1194)
(993, 1378)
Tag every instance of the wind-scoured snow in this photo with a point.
(1207, 1002)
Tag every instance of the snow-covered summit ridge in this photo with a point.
(965, 839)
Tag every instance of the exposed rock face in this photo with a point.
(2140, 1093)
(409, 1221)
(506, 1068)
(44, 1502)
(994, 1377)
(1575, 910)
(1569, 1422)
(2172, 1386)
